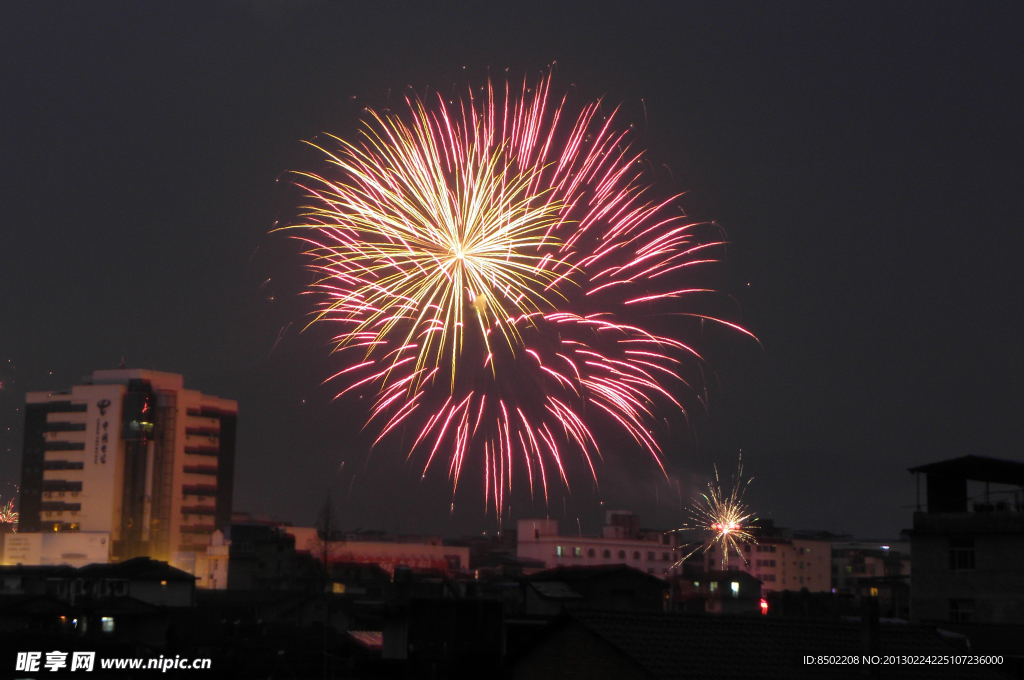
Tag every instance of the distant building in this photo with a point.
(616, 587)
(134, 455)
(150, 581)
(415, 552)
(968, 542)
(779, 559)
(622, 542)
(874, 569)
(728, 592)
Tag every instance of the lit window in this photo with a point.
(559, 550)
(713, 586)
(577, 552)
(107, 624)
(874, 592)
(735, 587)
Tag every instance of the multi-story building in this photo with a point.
(133, 454)
(781, 561)
(622, 542)
(968, 543)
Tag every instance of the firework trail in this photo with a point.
(722, 514)
(492, 265)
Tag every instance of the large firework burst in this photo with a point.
(493, 263)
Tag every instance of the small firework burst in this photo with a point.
(723, 515)
(7, 513)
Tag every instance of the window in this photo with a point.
(559, 551)
(622, 554)
(874, 592)
(713, 586)
(107, 623)
(735, 587)
(591, 553)
(746, 548)
(577, 552)
(665, 557)
(961, 611)
(961, 553)
(636, 554)
(607, 554)
(650, 555)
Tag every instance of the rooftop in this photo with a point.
(977, 469)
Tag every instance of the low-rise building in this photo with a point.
(622, 542)
(414, 552)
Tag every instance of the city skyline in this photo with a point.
(862, 162)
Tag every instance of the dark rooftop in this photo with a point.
(978, 469)
(568, 574)
(678, 646)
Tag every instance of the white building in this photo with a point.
(76, 549)
(621, 542)
(134, 455)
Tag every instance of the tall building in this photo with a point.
(134, 454)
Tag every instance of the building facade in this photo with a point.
(780, 562)
(968, 543)
(622, 542)
(133, 454)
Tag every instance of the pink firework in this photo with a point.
(494, 266)
(7, 513)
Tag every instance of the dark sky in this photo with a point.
(864, 158)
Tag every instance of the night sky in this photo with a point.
(865, 160)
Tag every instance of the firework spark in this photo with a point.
(7, 513)
(724, 517)
(493, 264)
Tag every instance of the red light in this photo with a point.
(764, 606)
